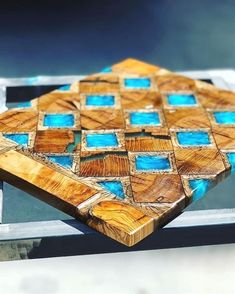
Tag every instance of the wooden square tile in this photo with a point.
(171, 83)
(148, 141)
(201, 161)
(132, 66)
(101, 120)
(140, 99)
(18, 121)
(58, 101)
(188, 118)
(104, 164)
(57, 141)
(213, 98)
(100, 83)
(224, 137)
(157, 188)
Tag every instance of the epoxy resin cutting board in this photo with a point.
(125, 150)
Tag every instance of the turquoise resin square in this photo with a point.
(21, 139)
(181, 100)
(199, 187)
(64, 88)
(114, 187)
(58, 120)
(137, 83)
(106, 70)
(144, 118)
(63, 160)
(231, 159)
(193, 138)
(100, 100)
(101, 140)
(225, 117)
(152, 163)
(24, 104)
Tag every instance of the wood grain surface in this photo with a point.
(137, 178)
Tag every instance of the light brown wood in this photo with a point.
(214, 98)
(116, 218)
(140, 99)
(18, 121)
(105, 165)
(188, 118)
(135, 200)
(199, 161)
(172, 83)
(44, 177)
(58, 101)
(224, 137)
(54, 141)
(150, 142)
(102, 120)
(133, 66)
(99, 83)
(157, 188)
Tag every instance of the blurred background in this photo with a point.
(74, 37)
(81, 37)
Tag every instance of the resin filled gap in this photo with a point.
(77, 140)
(103, 154)
(147, 134)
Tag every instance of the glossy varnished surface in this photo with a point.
(160, 139)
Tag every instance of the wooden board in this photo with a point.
(125, 150)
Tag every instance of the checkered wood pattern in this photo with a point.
(122, 149)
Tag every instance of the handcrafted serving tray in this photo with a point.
(125, 150)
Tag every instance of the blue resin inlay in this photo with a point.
(225, 117)
(181, 99)
(231, 159)
(58, 120)
(114, 187)
(21, 139)
(152, 163)
(25, 104)
(199, 187)
(144, 118)
(77, 140)
(100, 100)
(64, 88)
(193, 138)
(63, 160)
(137, 83)
(101, 140)
(106, 70)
